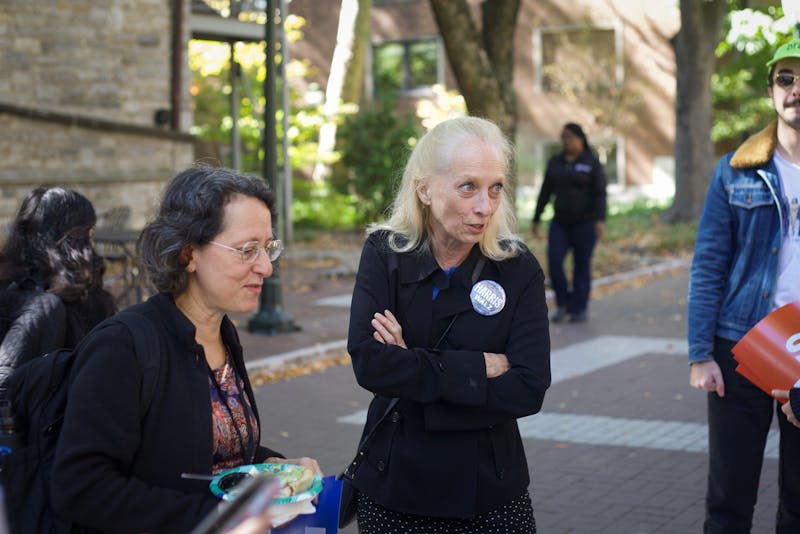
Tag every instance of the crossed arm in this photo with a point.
(389, 332)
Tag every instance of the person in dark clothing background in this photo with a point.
(578, 181)
(51, 278)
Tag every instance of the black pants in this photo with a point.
(738, 424)
(580, 238)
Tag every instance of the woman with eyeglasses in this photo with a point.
(120, 466)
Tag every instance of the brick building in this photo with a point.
(93, 95)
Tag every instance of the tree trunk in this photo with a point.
(482, 61)
(340, 63)
(354, 75)
(499, 23)
(694, 45)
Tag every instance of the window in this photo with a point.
(405, 66)
(583, 66)
(578, 58)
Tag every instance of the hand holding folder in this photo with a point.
(768, 354)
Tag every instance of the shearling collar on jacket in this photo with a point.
(757, 150)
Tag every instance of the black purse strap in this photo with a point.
(350, 470)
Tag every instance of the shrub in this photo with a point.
(374, 148)
(315, 206)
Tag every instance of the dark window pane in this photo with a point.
(387, 68)
(423, 69)
(404, 66)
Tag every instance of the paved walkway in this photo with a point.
(619, 447)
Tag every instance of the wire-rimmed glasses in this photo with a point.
(250, 251)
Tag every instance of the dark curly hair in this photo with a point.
(50, 243)
(191, 213)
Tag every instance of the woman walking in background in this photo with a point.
(578, 181)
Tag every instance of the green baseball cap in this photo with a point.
(790, 49)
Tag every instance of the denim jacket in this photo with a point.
(735, 264)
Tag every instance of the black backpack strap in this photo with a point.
(147, 353)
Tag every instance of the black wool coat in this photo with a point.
(452, 446)
(117, 469)
(34, 322)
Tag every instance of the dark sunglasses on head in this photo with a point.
(784, 79)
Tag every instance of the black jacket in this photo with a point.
(452, 448)
(119, 470)
(34, 322)
(579, 187)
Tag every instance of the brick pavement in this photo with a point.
(620, 444)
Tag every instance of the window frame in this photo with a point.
(538, 49)
(406, 91)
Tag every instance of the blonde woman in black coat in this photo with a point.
(449, 316)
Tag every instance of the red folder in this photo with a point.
(768, 354)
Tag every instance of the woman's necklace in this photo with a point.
(226, 369)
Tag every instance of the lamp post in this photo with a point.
(271, 318)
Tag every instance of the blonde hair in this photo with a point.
(431, 158)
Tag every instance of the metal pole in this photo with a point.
(286, 212)
(233, 75)
(271, 318)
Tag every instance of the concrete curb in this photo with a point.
(332, 351)
(278, 362)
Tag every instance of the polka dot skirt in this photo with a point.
(515, 517)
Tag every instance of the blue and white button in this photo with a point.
(487, 297)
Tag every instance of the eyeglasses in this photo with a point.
(784, 79)
(250, 251)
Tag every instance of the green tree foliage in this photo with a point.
(375, 146)
(375, 139)
(314, 205)
(741, 106)
(317, 207)
(211, 89)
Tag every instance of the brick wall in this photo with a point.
(82, 81)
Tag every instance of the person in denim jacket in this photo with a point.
(746, 263)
